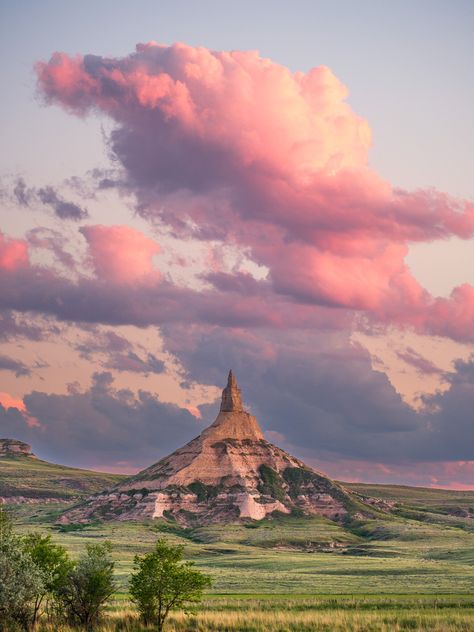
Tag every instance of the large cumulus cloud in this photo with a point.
(231, 146)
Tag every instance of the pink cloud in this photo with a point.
(212, 96)
(126, 291)
(121, 254)
(13, 253)
(66, 72)
(233, 147)
(8, 401)
(454, 316)
(288, 142)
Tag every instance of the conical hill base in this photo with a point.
(228, 473)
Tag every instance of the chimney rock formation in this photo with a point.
(231, 398)
(226, 474)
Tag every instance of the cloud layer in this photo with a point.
(234, 156)
(233, 147)
(315, 395)
(99, 426)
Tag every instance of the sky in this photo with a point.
(282, 189)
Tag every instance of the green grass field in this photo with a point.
(295, 555)
(410, 569)
(33, 478)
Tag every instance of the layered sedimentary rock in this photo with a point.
(228, 473)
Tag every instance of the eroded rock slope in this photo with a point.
(228, 473)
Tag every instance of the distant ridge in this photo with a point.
(26, 479)
(228, 473)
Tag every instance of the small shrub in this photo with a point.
(202, 491)
(21, 582)
(162, 581)
(53, 561)
(271, 483)
(89, 586)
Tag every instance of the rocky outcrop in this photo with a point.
(27, 500)
(13, 447)
(228, 473)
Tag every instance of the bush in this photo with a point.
(89, 586)
(271, 483)
(53, 561)
(162, 582)
(21, 581)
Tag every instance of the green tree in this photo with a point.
(21, 581)
(162, 582)
(53, 560)
(89, 586)
(6, 527)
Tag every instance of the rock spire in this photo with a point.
(231, 397)
(228, 473)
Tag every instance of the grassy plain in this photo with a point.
(302, 575)
(409, 569)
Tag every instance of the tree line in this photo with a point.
(38, 580)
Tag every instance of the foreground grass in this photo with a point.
(410, 571)
(394, 555)
(304, 614)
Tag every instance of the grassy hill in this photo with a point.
(31, 478)
(436, 506)
(426, 497)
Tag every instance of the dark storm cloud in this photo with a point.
(13, 326)
(120, 354)
(450, 425)
(61, 207)
(13, 424)
(318, 391)
(322, 395)
(315, 395)
(420, 363)
(15, 366)
(100, 426)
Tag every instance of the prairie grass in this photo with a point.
(283, 617)
(281, 613)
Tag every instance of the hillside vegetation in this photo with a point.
(31, 478)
